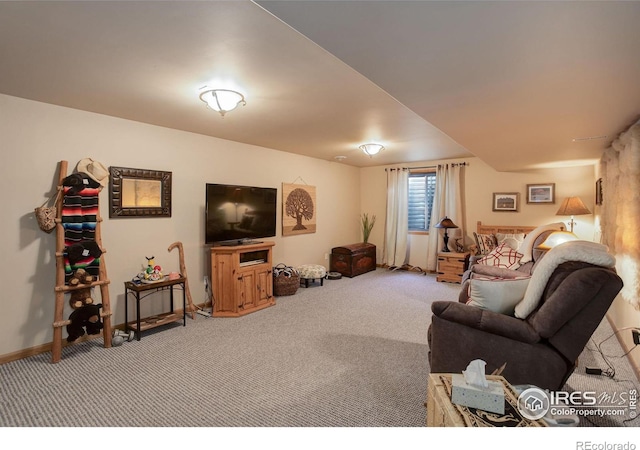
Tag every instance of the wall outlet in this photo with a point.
(636, 336)
(326, 256)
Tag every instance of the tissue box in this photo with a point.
(489, 399)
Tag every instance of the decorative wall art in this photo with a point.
(139, 193)
(506, 201)
(541, 193)
(298, 209)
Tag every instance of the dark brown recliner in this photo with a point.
(539, 350)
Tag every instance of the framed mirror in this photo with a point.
(139, 192)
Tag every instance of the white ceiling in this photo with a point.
(510, 82)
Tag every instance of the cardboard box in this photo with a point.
(489, 399)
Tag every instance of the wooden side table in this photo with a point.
(139, 325)
(451, 266)
(441, 412)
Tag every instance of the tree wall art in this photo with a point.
(298, 209)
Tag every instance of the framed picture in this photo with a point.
(506, 201)
(139, 193)
(541, 193)
(599, 191)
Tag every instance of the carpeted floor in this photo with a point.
(351, 353)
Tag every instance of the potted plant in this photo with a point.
(367, 225)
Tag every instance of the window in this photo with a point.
(422, 186)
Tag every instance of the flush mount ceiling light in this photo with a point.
(222, 100)
(371, 149)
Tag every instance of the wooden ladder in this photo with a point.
(61, 288)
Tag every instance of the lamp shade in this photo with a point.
(572, 206)
(445, 222)
(238, 196)
(557, 238)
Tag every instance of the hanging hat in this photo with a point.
(96, 170)
(80, 251)
(78, 181)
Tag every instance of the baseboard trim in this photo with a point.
(44, 348)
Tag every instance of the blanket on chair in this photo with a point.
(583, 251)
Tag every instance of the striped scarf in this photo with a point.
(79, 218)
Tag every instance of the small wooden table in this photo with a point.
(442, 413)
(451, 266)
(140, 325)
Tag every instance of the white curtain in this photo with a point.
(447, 201)
(620, 169)
(397, 223)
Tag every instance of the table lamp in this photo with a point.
(572, 206)
(446, 223)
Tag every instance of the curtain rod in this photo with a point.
(427, 167)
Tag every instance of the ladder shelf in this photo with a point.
(61, 288)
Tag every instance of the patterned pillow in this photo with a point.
(486, 243)
(502, 256)
(512, 240)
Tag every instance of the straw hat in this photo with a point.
(96, 170)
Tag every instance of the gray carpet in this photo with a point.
(351, 353)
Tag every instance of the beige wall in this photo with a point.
(36, 136)
(480, 182)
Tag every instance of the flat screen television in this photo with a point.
(237, 215)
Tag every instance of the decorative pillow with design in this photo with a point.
(486, 243)
(512, 240)
(502, 256)
(497, 295)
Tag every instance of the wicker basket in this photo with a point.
(286, 280)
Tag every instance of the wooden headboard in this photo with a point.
(504, 229)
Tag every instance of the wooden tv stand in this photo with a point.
(242, 278)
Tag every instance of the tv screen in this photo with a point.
(237, 214)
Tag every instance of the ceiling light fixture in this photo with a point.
(222, 100)
(371, 149)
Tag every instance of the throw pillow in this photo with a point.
(512, 240)
(497, 295)
(502, 256)
(485, 242)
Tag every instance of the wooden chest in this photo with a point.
(353, 260)
(451, 266)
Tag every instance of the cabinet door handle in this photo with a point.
(240, 277)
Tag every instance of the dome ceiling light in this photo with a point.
(371, 149)
(222, 100)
